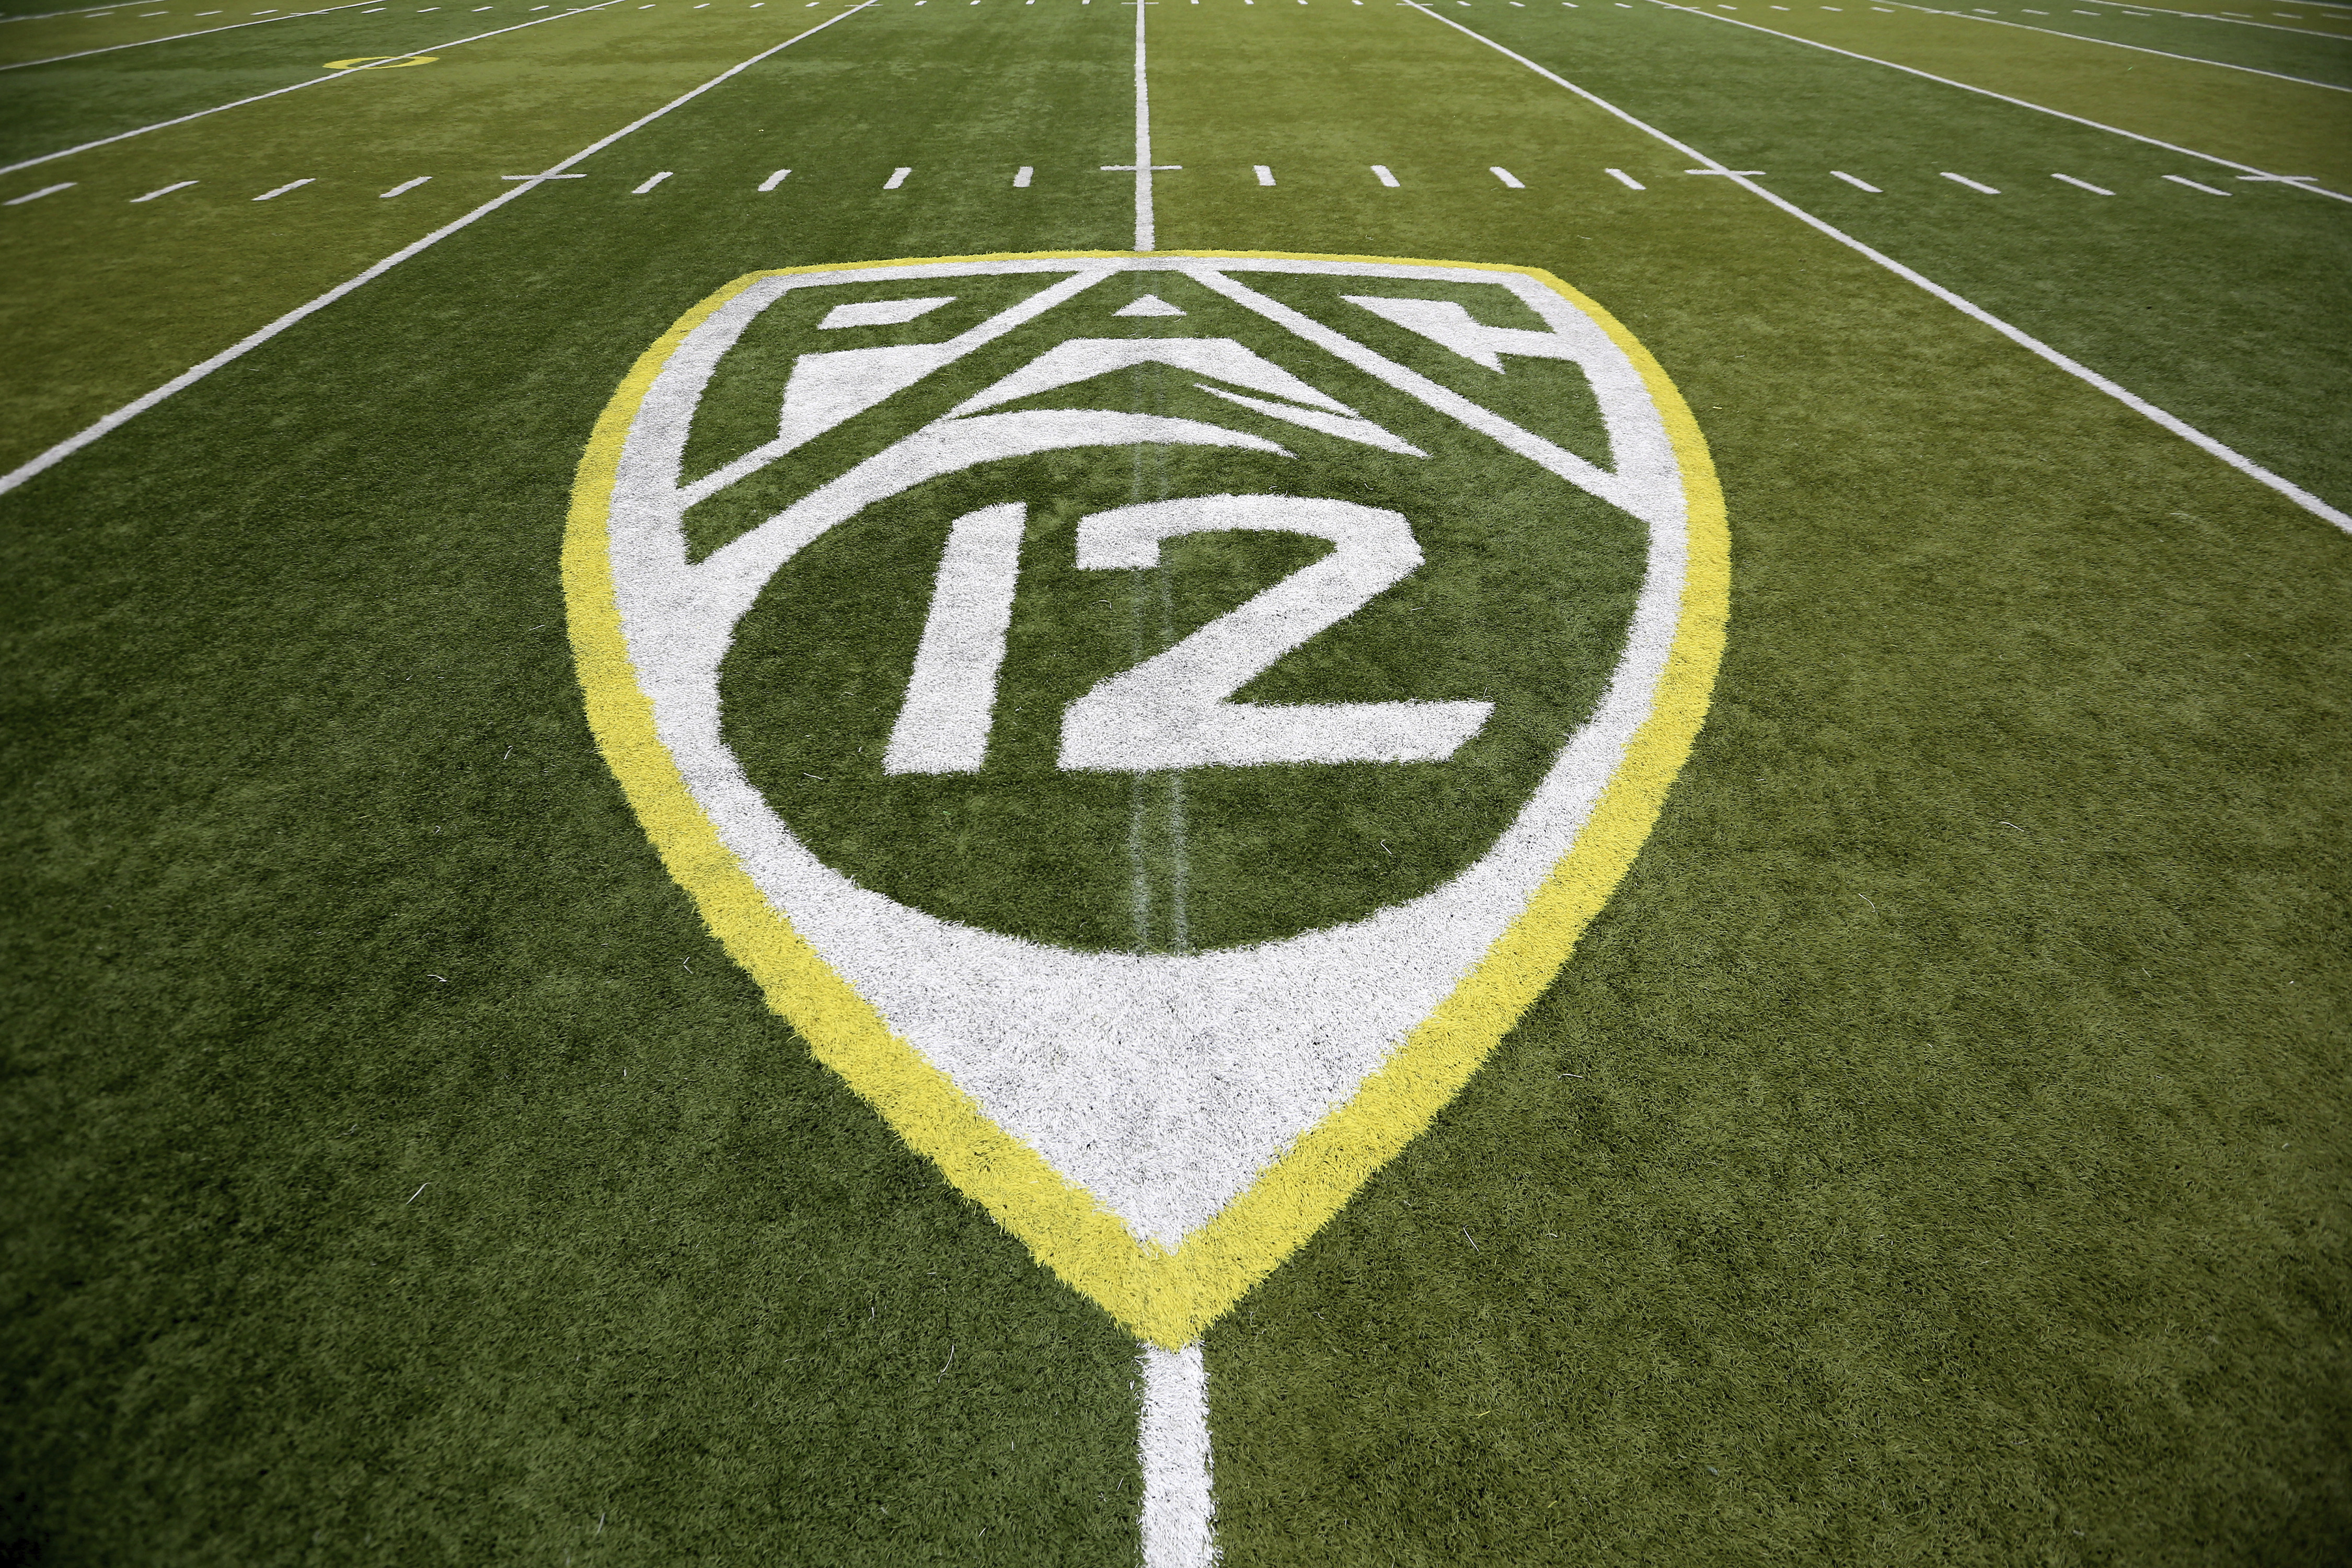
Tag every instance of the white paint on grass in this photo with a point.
(2083, 185)
(1160, 1082)
(2143, 49)
(1381, 173)
(252, 340)
(164, 190)
(2032, 344)
(898, 177)
(882, 312)
(36, 195)
(772, 181)
(1172, 1439)
(1506, 176)
(403, 186)
(288, 185)
(1149, 305)
(1265, 174)
(1023, 175)
(1857, 184)
(2208, 190)
(171, 38)
(943, 724)
(651, 183)
(1964, 180)
(1624, 179)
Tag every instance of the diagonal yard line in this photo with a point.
(173, 38)
(2207, 17)
(2136, 49)
(131, 410)
(279, 91)
(1988, 93)
(2180, 427)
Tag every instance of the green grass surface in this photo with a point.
(1933, 1154)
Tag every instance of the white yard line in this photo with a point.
(2136, 49)
(1988, 93)
(280, 92)
(80, 10)
(172, 37)
(2208, 16)
(1179, 1505)
(1146, 231)
(237, 351)
(2180, 427)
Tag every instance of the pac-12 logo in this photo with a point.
(1151, 722)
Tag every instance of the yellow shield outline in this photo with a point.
(1166, 1297)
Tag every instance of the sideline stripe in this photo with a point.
(2180, 427)
(1965, 87)
(238, 350)
(2136, 49)
(280, 92)
(173, 38)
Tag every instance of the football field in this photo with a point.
(1281, 782)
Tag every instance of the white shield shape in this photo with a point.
(1160, 1127)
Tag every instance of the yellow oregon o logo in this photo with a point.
(397, 61)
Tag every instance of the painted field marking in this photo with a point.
(403, 186)
(2083, 185)
(2024, 340)
(278, 92)
(289, 186)
(164, 190)
(650, 183)
(1983, 91)
(171, 38)
(1023, 175)
(2283, 179)
(252, 340)
(772, 181)
(78, 11)
(1506, 176)
(381, 62)
(1723, 171)
(898, 177)
(1857, 184)
(1626, 180)
(1180, 1510)
(1265, 174)
(1964, 180)
(2208, 190)
(36, 195)
(2136, 49)
(2241, 19)
(1381, 173)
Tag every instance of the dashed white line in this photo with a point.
(898, 177)
(164, 190)
(1023, 175)
(1857, 184)
(288, 185)
(36, 195)
(1624, 179)
(650, 183)
(1964, 180)
(2185, 180)
(772, 181)
(1381, 173)
(1265, 174)
(1506, 176)
(2083, 185)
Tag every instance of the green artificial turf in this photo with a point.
(1932, 1154)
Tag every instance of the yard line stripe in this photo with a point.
(164, 190)
(2083, 185)
(1857, 184)
(1506, 176)
(279, 91)
(2185, 180)
(649, 184)
(1179, 1523)
(2180, 427)
(1626, 180)
(36, 195)
(1985, 91)
(1147, 227)
(238, 350)
(193, 33)
(289, 186)
(2235, 21)
(1380, 172)
(772, 181)
(1964, 180)
(898, 177)
(2136, 49)
(1023, 175)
